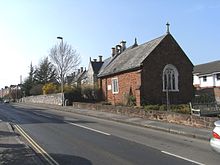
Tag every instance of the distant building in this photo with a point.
(93, 70)
(206, 79)
(77, 78)
(207, 75)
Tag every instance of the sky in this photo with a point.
(29, 29)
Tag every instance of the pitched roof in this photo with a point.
(131, 58)
(96, 66)
(207, 68)
(105, 63)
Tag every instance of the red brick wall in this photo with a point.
(128, 83)
(217, 94)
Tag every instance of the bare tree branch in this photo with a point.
(64, 58)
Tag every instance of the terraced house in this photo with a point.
(151, 73)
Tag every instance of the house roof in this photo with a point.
(130, 58)
(96, 66)
(207, 68)
(105, 63)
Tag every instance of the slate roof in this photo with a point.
(96, 66)
(105, 63)
(207, 68)
(130, 58)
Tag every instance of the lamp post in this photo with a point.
(168, 85)
(61, 72)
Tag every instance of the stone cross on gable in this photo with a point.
(168, 28)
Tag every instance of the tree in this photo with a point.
(45, 73)
(36, 89)
(64, 58)
(29, 82)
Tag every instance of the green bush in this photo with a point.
(152, 107)
(90, 92)
(181, 108)
(131, 100)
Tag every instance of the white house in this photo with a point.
(206, 79)
(207, 75)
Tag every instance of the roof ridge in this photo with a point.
(123, 61)
(208, 62)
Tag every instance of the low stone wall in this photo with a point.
(184, 119)
(54, 99)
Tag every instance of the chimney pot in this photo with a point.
(81, 69)
(123, 45)
(118, 49)
(100, 58)
(113, 51)
(95, 60)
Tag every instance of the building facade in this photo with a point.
(155, 72)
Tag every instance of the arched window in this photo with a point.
(170, 78)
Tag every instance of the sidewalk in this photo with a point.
(12, 150)
(199, 133)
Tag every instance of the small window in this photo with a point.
(204, 78)
(115, 85)
(218, 76)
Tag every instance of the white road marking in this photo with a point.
(168, 153)
(37, 148)
(91, 129)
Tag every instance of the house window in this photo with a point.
(115, 88)
(204, 78)
(218, 76)
(170, 78)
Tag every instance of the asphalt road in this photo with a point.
(75, 139)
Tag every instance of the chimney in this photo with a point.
(123, 45)
(113, 51)
(95, 60)
(100, 58)
(118, 49)
(81, 69)
(78, 71)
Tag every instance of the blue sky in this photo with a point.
(28, 29)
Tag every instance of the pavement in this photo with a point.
(13, 151)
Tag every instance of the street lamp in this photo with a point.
(61, 74)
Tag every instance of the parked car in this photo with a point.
(215, 139)
(6, 101)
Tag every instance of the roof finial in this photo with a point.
(135, 43)
(168, 28)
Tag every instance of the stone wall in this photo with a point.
(184, 119)
(54, 99)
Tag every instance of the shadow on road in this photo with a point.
(27, 115)
(70, 159)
